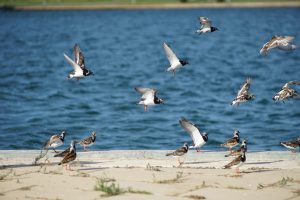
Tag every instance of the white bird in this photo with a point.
(175, 63)
(79, 66)
(205, 26)
(198, 139)
(280, 42)
(149, 97)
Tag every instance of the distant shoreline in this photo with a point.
(126, 6)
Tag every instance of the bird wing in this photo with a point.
(235, 161)
(230, 142)
(86, 141)
(170, 54)
(285, 39)
(70, 156)
(75, 66)
(245, 87)
(146, 92)
(79, 57)
(205, 22)
(63, 153)
(293, 83)
(192, 130)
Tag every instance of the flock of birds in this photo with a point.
(149, 98)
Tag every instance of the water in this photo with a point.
(124, 50)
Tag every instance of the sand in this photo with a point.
(149, 175)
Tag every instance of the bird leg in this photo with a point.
(173, 72)
(180, 163)
(84, 148)
(198, 150)
(77, 78)
(145, 108)
(237, 170)
(54, 150)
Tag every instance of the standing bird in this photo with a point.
(179, 152)
(292, 145)
(205, 26)
(286, 92)
(175, 63)
(87, 142)
(243, 94)
(237, 162)
(238, 151)
(280, 42)
(79, 66)
(70, 156)
(149, 97)
(232, 142)
(198, 138)
(55, 141)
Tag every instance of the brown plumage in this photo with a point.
(179, 152)
(292, 145)
(63, 153)
(70, 156)
(238, 151)
(286, 92)
(243, 94)
(280, 42)
(233, 141)
(88, 141)
(238, 162)
(55, 141)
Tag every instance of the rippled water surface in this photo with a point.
(124, 50)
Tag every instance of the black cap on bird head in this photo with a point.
(214, 29)
(183, 62)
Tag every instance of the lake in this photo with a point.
(124, 50)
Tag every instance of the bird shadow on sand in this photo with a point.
(196, 162)
(93, 168)
(28, 165)
(262, 163)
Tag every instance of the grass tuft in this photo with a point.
(177, 179)
(281, 183)
(109, 187)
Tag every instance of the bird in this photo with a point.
(63, 153)
(88, 141)
(237, 162)
(206, 26)
(280, 42)
(286, 92)
(232, 142)
(149, 97)
(291, 145)
(55, 141)
(180, 152)
(69, 156)
(78, 64)
(175, 63)
(198, 138)
(243, 94)
(238, 151)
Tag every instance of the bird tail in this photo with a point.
(59, 163)
(169, 154)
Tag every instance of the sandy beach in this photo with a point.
(149, 175)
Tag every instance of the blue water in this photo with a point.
(124, 50)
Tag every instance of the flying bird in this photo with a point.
(237, 162)
(55, 141)
(149, 97)
(280, 42)
(87, 142)
(175, 63)
(179, 152)
(291, 145)
(243, 94)
(287, 93)
(78, 64)
(70, 156)
(238, 151)
(232, 142)
(205, 26)
(198, 138)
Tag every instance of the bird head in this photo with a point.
(236, 133)
(184, 62)
(214, 29)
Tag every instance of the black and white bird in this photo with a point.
(78, 64)
(243, 94)
(237, 152)
(232, 142)
(175, 63)
(279, 42)
(55, 141)
(205, 26)
(180, 152)
(87, 142)
(69, 156)
(286, 92)
(292, 144)
(149, 97)
(198, 138)
(237, 162)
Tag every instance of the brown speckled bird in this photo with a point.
(286, 92)
(87, 142)
(70, 156)
(237, 162)
(179, 152)
(238, 151)
(232, 142)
